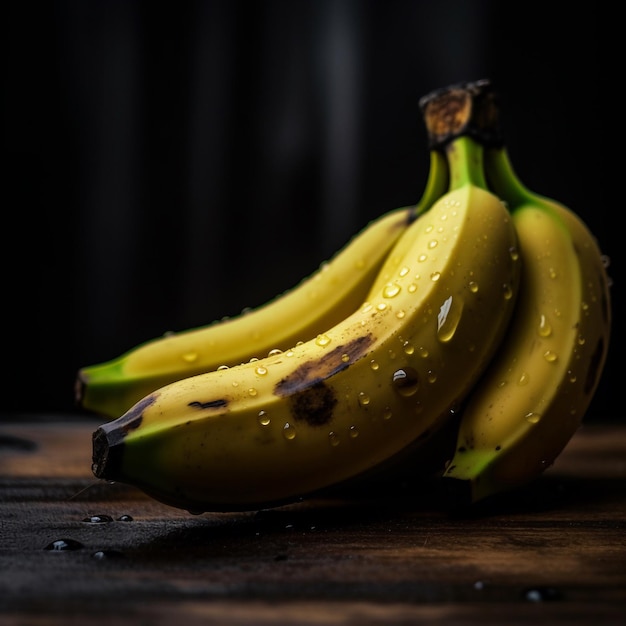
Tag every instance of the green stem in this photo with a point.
(466, 162)
(436, 184)
(503, 180)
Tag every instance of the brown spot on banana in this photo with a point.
(314, 405)
(311, 400)
(210, 404)
(129, 421)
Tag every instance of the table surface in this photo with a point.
(554, 552)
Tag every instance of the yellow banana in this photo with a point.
(267, 432)
(317, 303)
(534, 395)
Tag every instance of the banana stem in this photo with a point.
(466, 162)
(436, 184)
(503, 180)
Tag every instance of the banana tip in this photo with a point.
(106, 459)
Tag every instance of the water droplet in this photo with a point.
(541, 594)
(374, 365)
(98, 519)
(404, 271)
(322, 340)
(523, 379)
(514, 252)
(532, 417)
(448, 318)
(391, 290)
(405, 381)
(382, 306)
(412, 288)
(252, 392)
(364, 399)
(333, 439)
(353, 431)
(367, 307)
(433, 243)
(422, 257)
(431, 376)
(507, 291)
(261, 371)
(289, 431)
(190, 357)
(275, 352)
(102, 555)
(572, 376)
(387, 413)
(552, 273)
(545, 329)
(222, 367)
(435, 276)
(550, 356)
(473, 286)
(254, 359)
(125, 518)
(400, 314)
(408, 347)
(423, 352)
(345, 357)
(64, 545)
(263, 418)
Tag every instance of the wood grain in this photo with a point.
(554, 552)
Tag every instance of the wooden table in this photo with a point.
(555, 553)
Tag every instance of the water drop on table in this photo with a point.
(64, 545)
(98, 519)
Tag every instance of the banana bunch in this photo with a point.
(475, 334)
(320, 301)
(326, 410)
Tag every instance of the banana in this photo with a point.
(268, 432)
(533, 397)
(326, 297)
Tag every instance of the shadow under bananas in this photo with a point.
(412, 505)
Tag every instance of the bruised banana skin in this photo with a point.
(268, 432)
(329, 295)
(533, 397)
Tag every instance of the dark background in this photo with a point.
(169, 164)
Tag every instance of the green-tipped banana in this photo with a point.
(349, 399)
(317, 303)
(534, 395)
